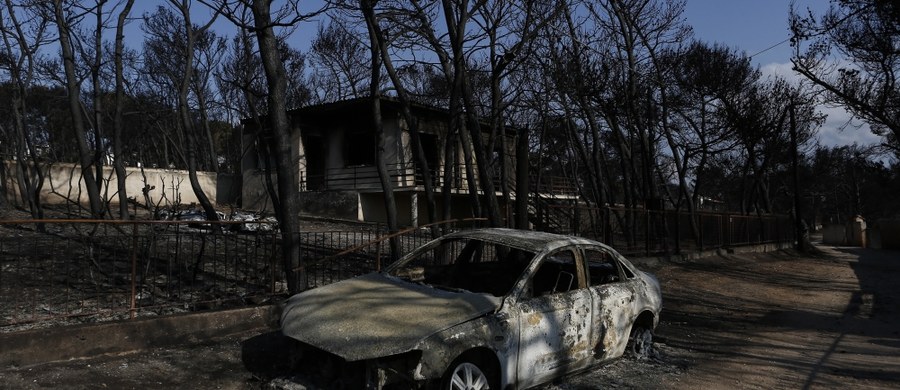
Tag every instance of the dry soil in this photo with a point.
(749, 321)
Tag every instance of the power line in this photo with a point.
(770, 47)
(823, 30)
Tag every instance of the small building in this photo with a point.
(334, 152)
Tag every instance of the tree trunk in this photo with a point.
(84, 152)
(522, 184)
(207, 131)
(456, 28)
(375, 48)
(184, 113)
(98, 102)
(380, 48)
(118, 122)
(278, 121)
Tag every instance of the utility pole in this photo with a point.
(798, 216)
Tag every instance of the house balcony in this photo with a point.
(365, 178)
(407, 177)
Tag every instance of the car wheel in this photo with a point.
(641, 343)
(466, 376)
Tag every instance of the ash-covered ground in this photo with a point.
(751, 321)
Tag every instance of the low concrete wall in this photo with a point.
(83, 341)
(654, 261)
(63, 183)
(330, 204)
(372, 207)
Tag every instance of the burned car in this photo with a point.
(477, 309)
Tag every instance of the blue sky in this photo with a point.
(748, 25)
(753, 26)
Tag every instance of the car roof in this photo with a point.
(531, 241)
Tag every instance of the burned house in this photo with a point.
(334, 149)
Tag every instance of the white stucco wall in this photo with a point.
(63, 183)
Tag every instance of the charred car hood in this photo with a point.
(377, 315)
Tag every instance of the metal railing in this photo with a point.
(64, 272)
(61, 272)
(409, 175)
(644, 232)
(362, 177)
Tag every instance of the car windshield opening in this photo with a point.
(467, 265)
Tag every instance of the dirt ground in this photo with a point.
(750, 321)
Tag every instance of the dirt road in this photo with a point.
(751, 321)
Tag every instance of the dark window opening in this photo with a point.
(430, 148)
(360, 148)
(314, 148)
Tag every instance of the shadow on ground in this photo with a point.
(268, 355)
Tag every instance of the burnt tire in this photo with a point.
(640, 345)
(467, 375)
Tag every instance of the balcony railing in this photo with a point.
(407, 176)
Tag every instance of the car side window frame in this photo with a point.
(613, 258)
(626, 269)
(527, 291)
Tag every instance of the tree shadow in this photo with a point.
(269, 355)
(835, 340)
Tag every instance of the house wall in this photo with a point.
(249, 154)
(371, 207)
(63, 183)
(334, 157)
(298, 152)
(253, 192)
(394, 142)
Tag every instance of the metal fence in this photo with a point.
(60, 272)
(641, 232)
(334, 256)
(64, 272)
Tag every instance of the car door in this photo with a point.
(554, 320)
(612, 292)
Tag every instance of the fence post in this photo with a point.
(378, 257)
(134, 239)
(747, 228)
(726, 230)
(721, 231)
(700, 229)
(576, 220)
(275, 259)
(677, 214)
(646, 231)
